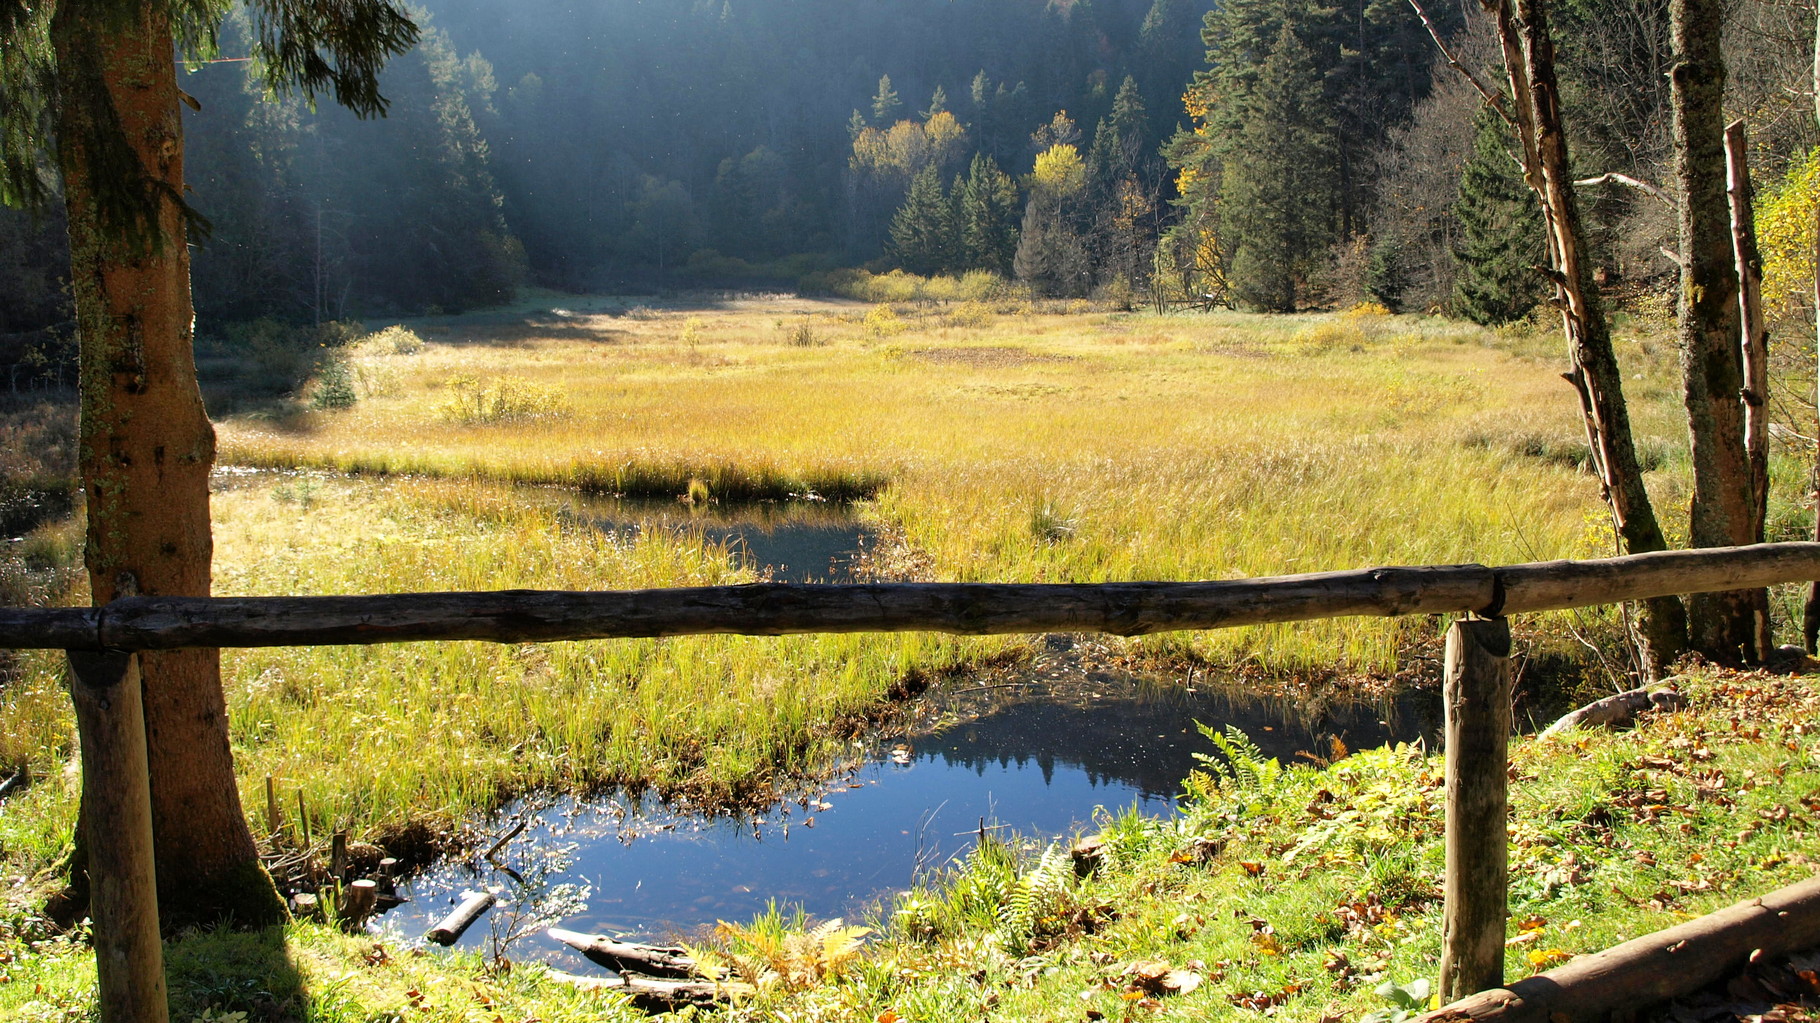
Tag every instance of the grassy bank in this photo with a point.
(1294, 890)
(1024, 446)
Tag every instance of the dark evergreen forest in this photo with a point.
(1274, 154)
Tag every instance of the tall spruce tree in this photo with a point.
(923, 235)
(100, 80)
(1501, 240)
(885, 103)
(1295, 93)
(1120, 139)
(986, 206)
(1278, 180)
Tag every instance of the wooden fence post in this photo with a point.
(1476, 695)
(117, 822)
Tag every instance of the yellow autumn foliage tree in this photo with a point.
(899, 152)
(1785, 235)
(1060, 172)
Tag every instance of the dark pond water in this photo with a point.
(793, 542)
(1035, 749)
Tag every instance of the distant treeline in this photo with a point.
(1268, 153)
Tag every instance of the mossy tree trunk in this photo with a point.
(146, 444)
(1810, 616)
(1726, 627)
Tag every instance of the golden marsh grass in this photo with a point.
(1006, 444)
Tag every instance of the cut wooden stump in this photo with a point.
(1617, 710)
(20, 780)
(1089, 855)
(359, 900)
(1654, 968)
(658, 960)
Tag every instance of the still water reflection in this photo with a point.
(1034, 749)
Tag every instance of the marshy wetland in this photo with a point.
(588, 443)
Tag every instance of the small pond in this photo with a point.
(1033, 748)
(808, 541)
(787, 542)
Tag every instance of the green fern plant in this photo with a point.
(1239, 769)
(1032, 896)
(766, 955)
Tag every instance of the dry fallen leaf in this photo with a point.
(1546, 958)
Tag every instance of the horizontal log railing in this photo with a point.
(775, 609)
(103, 673)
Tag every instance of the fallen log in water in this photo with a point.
(1652, 969)
(656, 993)
(659, 960)
(450, 929)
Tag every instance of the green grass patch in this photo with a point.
(1298, 889)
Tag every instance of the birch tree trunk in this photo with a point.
(1754, 347)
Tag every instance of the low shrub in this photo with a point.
(394, 340)
(334, 386)
(883, 321)
(471, 401)
(803, 334)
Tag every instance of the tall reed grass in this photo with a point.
(987, 447)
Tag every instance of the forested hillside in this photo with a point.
(1274, 154)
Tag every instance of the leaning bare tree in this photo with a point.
(1533, 108)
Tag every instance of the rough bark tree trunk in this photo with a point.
(1721, 626)
(1810, 616)
(1529, 61)
(146, 446)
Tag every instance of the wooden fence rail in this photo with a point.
(773, 609)
(104, 680)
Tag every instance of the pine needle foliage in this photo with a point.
(1500, 230)
(303, 45)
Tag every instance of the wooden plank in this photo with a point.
(1652, 969)
(1476, 697)
(117, 827)
(773, 609)
(50, 628)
